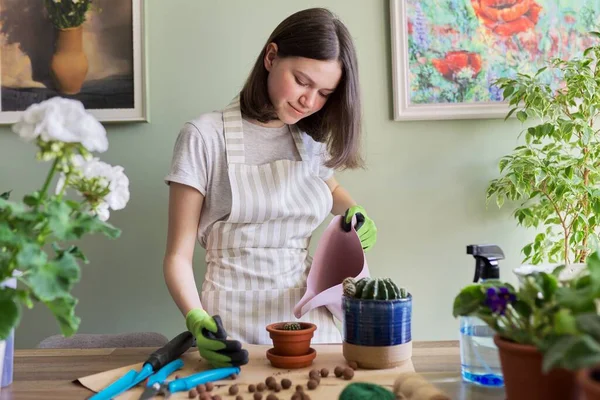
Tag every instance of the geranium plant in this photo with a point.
(36, 234)
(554, 177)
(559, 318)
(67, 13)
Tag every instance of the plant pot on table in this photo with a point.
(377, 333)
(524, 378)
(588, 380)
(291, 346)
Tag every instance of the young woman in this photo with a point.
(252, 183)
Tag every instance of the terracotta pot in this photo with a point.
(589, 382)
(291, 343)
(523, 377)
(69, 65)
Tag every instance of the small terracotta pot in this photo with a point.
(69, 64)
(523, 377)
(291, 343)
(590, 385)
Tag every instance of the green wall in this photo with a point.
(424, 185)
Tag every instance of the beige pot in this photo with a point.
(69, 65)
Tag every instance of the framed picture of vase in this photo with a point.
(88, 50)
(447, 54)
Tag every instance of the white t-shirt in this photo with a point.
(199, 160)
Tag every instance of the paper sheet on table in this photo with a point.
(257, 370)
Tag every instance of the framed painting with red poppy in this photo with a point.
(447, 54)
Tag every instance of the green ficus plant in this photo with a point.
(559, 318)
(554, 177)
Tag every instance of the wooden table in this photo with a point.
(49, 374)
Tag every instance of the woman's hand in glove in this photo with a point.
(365, 227)
(211, 340)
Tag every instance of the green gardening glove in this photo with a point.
(211, 340)
(365, 227)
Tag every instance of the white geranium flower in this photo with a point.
(63, 120)
(112, 176)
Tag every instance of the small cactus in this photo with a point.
(292, 326)
(373, 289)
(349, 285)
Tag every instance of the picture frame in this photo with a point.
(428, 42)
(113, 40)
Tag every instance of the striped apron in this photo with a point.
(257, 259)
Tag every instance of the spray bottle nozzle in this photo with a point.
(486, 256)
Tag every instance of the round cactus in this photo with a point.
(292, 326)
(374, 289)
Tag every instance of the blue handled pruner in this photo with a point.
(156, 362)
(156, 383)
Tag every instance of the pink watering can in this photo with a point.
(339, 255)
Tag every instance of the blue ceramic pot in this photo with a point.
(377, 322)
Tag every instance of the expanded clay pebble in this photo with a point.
(252, 388)
(348, 374)
(205, 396)
(338, 371)
(312, 384)
(324, 372)
(257, 396)
(216, 397)
(270, 381)
(192, 394)
(286, 383)
(239, 397)
(299, 388)
(272, 397)
(261, 387)
(353, 365)
(314, 373)
(277, 387)
(209, 386)
(233, 389)
(201, 388)
(233, 376)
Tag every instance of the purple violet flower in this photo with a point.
(498, 299)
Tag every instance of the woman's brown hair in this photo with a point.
(318, 34)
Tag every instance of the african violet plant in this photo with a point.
(554, 176)
(559, 318)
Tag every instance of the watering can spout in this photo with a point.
(339, 255)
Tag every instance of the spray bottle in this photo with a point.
(480, 362)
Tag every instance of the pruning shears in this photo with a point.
(157, 386)
(157, 361)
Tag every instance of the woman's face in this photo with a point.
(299, 87)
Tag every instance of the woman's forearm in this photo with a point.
(179, 276)
(341, 200)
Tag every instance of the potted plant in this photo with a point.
(291, 344)
(36, 233)
(69, 64)
(545, 331)
(589, 381)
(377, 323)
(552, 179)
